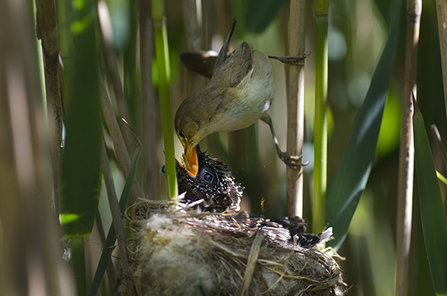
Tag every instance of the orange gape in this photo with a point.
(193, 163)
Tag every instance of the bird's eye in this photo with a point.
(181, 134)
(207, 176)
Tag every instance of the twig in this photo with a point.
(117, 222)
(110, 60)
(118, 141)
(251, 261)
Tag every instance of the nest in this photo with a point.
(177, 251)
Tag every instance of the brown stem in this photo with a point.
(47, 32)
(118, 141)
(295, 108)
(406, 151)
(117, 222)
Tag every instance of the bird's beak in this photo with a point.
(191, 160)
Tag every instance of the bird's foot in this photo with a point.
(291, 160)
(291, 60)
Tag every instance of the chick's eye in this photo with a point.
(207, 176)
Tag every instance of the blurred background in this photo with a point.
(356, 37)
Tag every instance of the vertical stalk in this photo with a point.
(118, 140)
(148, 101)
(117, 222)
(47, 32)
(162, 56)
(441, 13)
(295, 108)
(30, 259)
(78, 264)
(192, 23)
(406, 150)
(130, 83)
(111, 66)
(320, 130)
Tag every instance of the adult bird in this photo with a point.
(239, 93)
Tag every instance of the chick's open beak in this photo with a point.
(191, 160)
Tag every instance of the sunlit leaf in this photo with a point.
(441, 177)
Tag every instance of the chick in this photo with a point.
(213, 184)
(214, 189)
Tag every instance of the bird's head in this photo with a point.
(213, 183)
(189, 134)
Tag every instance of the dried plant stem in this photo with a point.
(118, 141)
(320, 131)
(149, 103)
(295, 108)
(30, 249)
(251, 262)
(193, 30)
(47, 32)
(441, 12)
(111, 64)
(406, 151)
(117, 222)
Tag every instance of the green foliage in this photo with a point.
(320, 126)
(433, 217)
(367, 168)
(81, 174)
(111, 235)
(164, 84)
(259, 15)
(355, 166)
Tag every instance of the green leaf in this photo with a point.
(81, 174)
(441, 177)
(164, 82)
(434, 224)
(355, 165)
(259, 14)
(111, 235)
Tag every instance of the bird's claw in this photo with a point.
(292, 161)
(292, 60)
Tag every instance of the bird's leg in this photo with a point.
(291, 161)
(291, 60)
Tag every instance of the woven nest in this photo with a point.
(177, 251)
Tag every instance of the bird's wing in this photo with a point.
(224, 50)
(234, 70)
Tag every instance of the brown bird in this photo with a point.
(239, 93)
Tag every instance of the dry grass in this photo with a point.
(178, 251)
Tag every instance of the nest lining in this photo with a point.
(177, 251)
